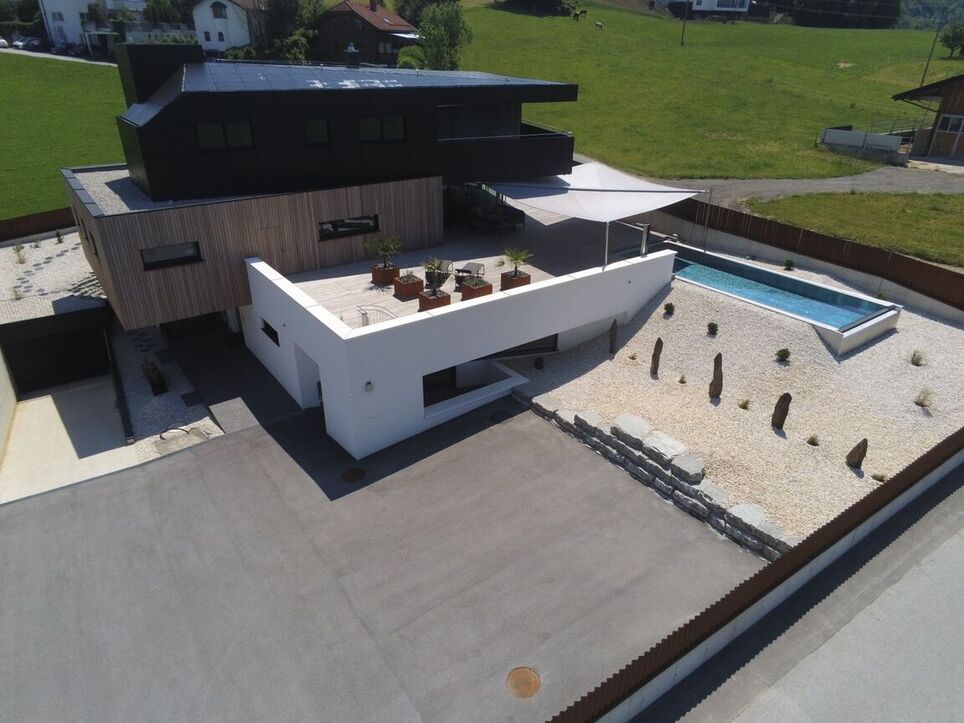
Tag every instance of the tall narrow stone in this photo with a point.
(654, 364)
(856, 456)
(612, 337)
(781, 410)
(716, 385)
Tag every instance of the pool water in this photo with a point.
(800, 298)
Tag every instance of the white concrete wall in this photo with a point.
(692, 233)
(856, 139)
(394, 356)
(8, 404)
(234, 26)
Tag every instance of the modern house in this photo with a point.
(375, 32)
(252, 190)
(224, 24)
(945, 139)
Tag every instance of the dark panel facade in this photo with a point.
(145, 68)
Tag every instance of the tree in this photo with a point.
(411, 56)
(161, 11)
(953, 38)
(295, 47)
(28, 11)
(846, 13)
(310, 12)
(280, 21)
(444, 33)
(412, 10)
(96, 15)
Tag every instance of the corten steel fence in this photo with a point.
(20, 226)
(690, 635)
(937, 282)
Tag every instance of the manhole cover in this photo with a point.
(353, 475)
(499, 416)
(523, 682)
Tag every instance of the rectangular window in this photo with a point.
(375, 130)
(270, 332)
(233, 134)
(57, 17)
(347, 227)
(210, 136)
(238, 134)
(207, 35)
(316, 132)
(173, 255)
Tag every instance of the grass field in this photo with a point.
(740, 100)
(929, 226)
(53, 113)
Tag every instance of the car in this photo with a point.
(76, 51)
(36, 45)
(19, 42)
(3, 43)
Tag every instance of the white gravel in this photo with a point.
(868, 394)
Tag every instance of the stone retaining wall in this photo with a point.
(664, 464)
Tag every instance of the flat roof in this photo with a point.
(223, 582)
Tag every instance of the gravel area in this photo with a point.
(114, 191)
(162, 423)
(869, 393)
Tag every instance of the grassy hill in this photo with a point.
(740, 100)
(53, 113)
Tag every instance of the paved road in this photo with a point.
(876, 637)
(49, 56)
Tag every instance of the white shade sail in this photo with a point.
(594, 192)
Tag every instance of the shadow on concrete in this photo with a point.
(89, 415)
(303, 438)
(700, 684)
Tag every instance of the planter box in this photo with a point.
(426, 302)
(513, 282)
(408, 290)
(474, 292)
(383, 276)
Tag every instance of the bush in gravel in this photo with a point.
(744, 404)
(813, 440)
(924, 398)
(682, 379)
(917, 358)
(879, 477)
(17, 293)
(789, 265)
(18, 252)
(783, 355)
(60, 237)
(668, 309)
(712, 328)
(632, 356)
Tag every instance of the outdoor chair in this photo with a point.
(470, 268)
(441, 276)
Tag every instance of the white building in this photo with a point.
(69, 21)
(225, 24)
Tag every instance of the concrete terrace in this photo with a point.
(559, 245)
(244, 579)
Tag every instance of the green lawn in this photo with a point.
(740, 100)
(928, 226)
(53, 113)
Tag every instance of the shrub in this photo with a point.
(917, 358)
(712, 328)
(783, 355)
(60, 237)
(924, 398)
(682, 379)
(384, 248)
(514, 258)
(633, 356)
(408, 277)
(879, 477)
(474, 281)
(18, 252)
(789, 265)
(669, 308)
(17, 293)
(744, 404)
(36, 244)
(813, 440)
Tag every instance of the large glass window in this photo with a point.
(388, 129)
(347, 227)
(316, 132)
(210, 136)
(233, 134)
(173, 255)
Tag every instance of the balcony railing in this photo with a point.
(527, 129)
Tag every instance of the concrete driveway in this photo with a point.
(222, 583)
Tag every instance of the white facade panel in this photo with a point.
(217, 33)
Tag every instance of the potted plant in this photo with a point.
(408, 285)
(384, 272)
(154, 377)
(475, 286)
(433, 297)
(514, 258)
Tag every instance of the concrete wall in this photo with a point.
(371, 377)
(856, 139)
(691, 233)
(8, 404)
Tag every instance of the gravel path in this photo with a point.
(867, 394)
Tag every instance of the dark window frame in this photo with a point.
(336, 232)
(176, 261)
(225, 136)
(381, 129)
(219, 10)
(270, 332)
(323, 123)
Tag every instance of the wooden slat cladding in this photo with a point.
(281, 229)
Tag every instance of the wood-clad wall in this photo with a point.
(943, 143)
(281, 229)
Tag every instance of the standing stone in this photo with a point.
(657, 350)
(856, 456)
(781, 410)
(716, 385)
(612, 337)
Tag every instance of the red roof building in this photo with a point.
(375, 32)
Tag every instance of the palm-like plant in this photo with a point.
(515, 258)
(434, 269)
(385, 247)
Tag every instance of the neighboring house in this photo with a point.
(375, 32)
(68, 21)
(701, 8)
(225, 24)
(946, 138)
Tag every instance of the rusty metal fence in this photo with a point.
(690, 635)
(937, 282)
(20, 226)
